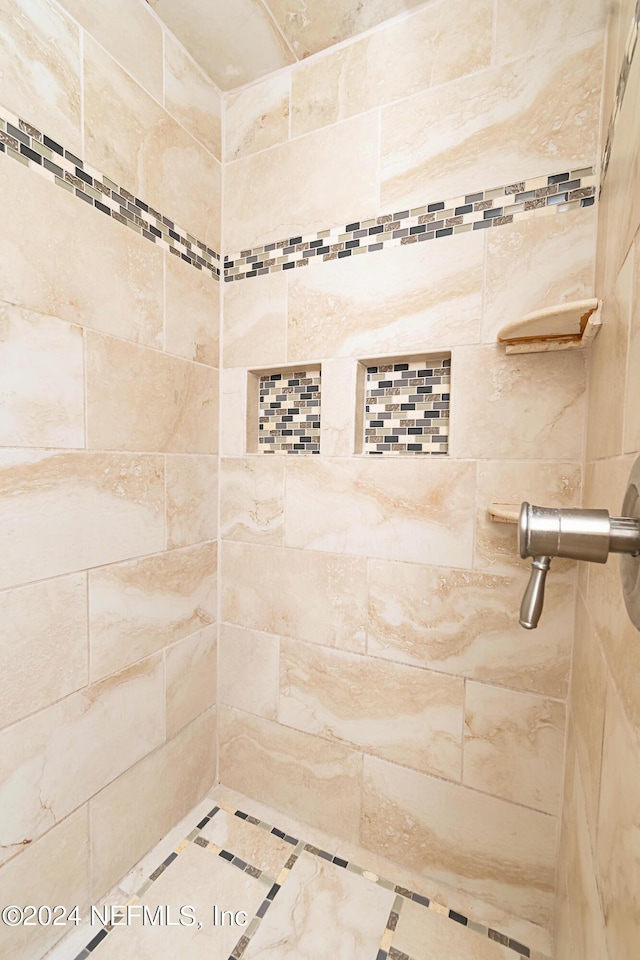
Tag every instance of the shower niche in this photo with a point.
(283, 410)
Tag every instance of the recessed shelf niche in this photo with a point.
(283, 410)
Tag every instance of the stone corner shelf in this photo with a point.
(504, 512)
(566, 326)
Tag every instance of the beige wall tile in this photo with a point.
(233, 45)
(130, 815)
(191, 679)
(414, 298)
(631, 438)
(500, 405)
(433, 46)
(496, 850)
(130, 138)
(257, 117)
(268, 197)
(140, 399)
(137, 608)
(618, 852)
(393, 508)
(40, 52)
(252, 499)
(43, 645)
(538, 263)
(53, 870)
(400, 713)
(54, 761)
(99, 508)
(524, 26)
(255, 321)
(318, 782)
(339, 415)
(545, 107)
(294, 593)
(466, 623)
(42, 390)
(130, 33)
(192, 500)
(514, 746)
(60, 253)
(191, 97)
(249, 673)
(192, 312)
(233, 392)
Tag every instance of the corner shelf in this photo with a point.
(567, 326)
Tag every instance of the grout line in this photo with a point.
(82, 104)
(280, 30)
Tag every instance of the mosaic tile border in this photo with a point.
(386, 950)
(289, 406)
(538, 196)
(629, 52)
(25, 143)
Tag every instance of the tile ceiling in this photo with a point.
(237, 41)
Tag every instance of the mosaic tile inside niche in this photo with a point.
(482, 210)
(26, 144)
(407, 407)
(627, 60)
(289, 411)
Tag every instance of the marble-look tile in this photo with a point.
(131, 814)
(338, 422)
(631, 437)
(249, 672)
(54, 761)
(140, 146)
(423, 934)
(466, 623)
(192, 312)
(530, 24)
(252, 499)
(40, 54)
(90, 254)
(233, 429)
(191, 97)
(99, 508)
(496, 414)
(53, 870)
(195, 878)
(606, 409)
(297, 187)
(549, 484)
(191, 500)
(393, 508)
(618, 850)
(257, 117)
(130, 33)
(141, 399)
(489, 847)
(255, 321)
(252, 844)
(42, 389)
(318, 24)
(537, 263)
(414, 298)
(318, 597)
(233, 45)
(43, 645)
(514, 746)
(587, 705)
(190, 680)
(305, 776)
(137, 608)
(297, 924)
(400, 713)
(434, 45)
(518, 120)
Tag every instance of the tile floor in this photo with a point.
(255, 884)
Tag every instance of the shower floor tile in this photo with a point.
(236, 880)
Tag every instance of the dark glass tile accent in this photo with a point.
(420, 228)
(436, 225)
(2, 150)
(343, 253)
(202, 823)
(444, 233)
(417, 447)
(262, 909)
(481, 224)
(359, 234)
(557, 178)
(420, 899)
(401, 215)
(496, 212)
(295, 240)
(48, 142)
(378, 229)
(170, 223)
(269, 246)
(316, 243)
(351, 226)
(473, 197)
(174, 235)
(458, 917)
(571, 185)
(465, 208)
(103, 208)
(31, 154)
(339, 862)
(435, 206)
(79, 193)
(288, 266)
(407, 406)
(588, 202)
(286, 250)
(324, 855)
(259, 265)
(158, 233)
(414, 429)
(401, 366)
(184, 256)
(119, 199)
(240, 864)
(84, 176)
(143, 206)
(18, 134)
(372, 369)
(519, 948)
(351, 244)
(99, 937)
(558, 198)
(375, 246)
(76, 160)
(400, 233)
(385, 383)
(226, 855)
(251, 273)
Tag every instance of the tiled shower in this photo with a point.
(258, 617)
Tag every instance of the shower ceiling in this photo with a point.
(237, 41)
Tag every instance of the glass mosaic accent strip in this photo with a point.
(407, 407)
(289, 411)
(483, 210)
(26, 144)
(627, 60)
